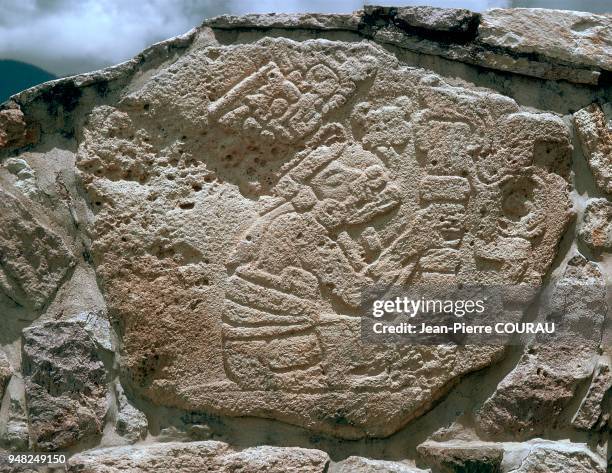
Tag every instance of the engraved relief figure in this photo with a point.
(273, 106)
(305, 257)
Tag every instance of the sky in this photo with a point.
(66, 37)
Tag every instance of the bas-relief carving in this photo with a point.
(357, 172)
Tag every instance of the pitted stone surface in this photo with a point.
(534, 394)
(64, 385)
(451, 457)
(594, 130)
(366, 465)
(593, 414)
(596, 227)
(555, 457)
(196, 457)
(571, 37)
(6, 371)
(242, 185)
(449, 20)
(13, 130)
(33, 258)
(246, 196)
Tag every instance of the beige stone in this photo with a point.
(65, 385)
(553, 457)
(535, 393)
(312, 21)
(366, 465)
(447, 20)
(6, 371)
(566, 36)
(33, 258)
(13, 129)
(196, 457)
(596, 226)
(237, 194)
(595, 134)
(547, 44)
(533, 456)
(451, 457)
(592, 413)
(202, 225)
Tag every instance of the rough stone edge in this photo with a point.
(373, 22)
(126, 69)
(458, 46)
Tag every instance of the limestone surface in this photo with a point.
(5, 373)
(189, 241)
(593, 413)
(563, 35)
(64, 385)
(448, 20)
(534, 456)
(365, 465)
(556, 457)
(595, 133)
(463, 456)
(130, 422)
(534, 395)
(234, 240)
(34, 259)
(196, 457)
(596, 227)
(549, 44)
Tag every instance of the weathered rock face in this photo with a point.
(5, 373)
(130, 422)
(463, 456)
(234, 240)
(13, 132)
(596, 228)
(595, 135)
(593, 413)
(208, 456)
(34, 259)
(64, 385)
(447, 20)
(557, 457)
(565, 36)
(14, 433)
(365, 465)
(199, 226)
(529, 457)
(548, 44)
(533, 396)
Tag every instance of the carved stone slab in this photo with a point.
(246, 196)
